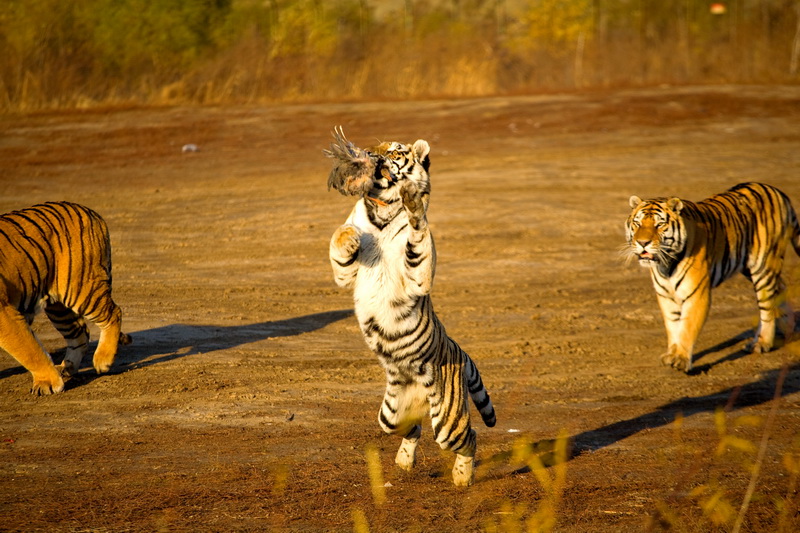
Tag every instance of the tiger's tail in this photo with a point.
(480, 396)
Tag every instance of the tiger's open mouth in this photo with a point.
(646, 257)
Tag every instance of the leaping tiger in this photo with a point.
(57, 256)
(385, 252)
(691, 248)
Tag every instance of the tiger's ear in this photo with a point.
(675, 204)
(421, 150)
(634, 201)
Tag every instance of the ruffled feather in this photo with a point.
(353, 169)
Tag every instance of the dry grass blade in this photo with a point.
(761, 450)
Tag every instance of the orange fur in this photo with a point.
(57, 257)
(691, 248)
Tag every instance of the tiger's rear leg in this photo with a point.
(404, 406)
(20, 342)
(74, 330)
(452, 429)
(774, 313)
(463, 467)
(111, 337)
(108, 317)
(406, 456)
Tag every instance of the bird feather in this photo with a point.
(353, 169)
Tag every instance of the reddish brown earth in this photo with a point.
(248, 400)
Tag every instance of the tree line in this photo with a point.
(81, 53)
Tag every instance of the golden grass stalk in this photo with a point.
(762, 450)
(375, 474)
(360, 524)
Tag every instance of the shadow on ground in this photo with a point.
(159, 345)
(775, 383)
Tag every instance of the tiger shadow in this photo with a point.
(174, 341)
(745, 336)
(732, 399)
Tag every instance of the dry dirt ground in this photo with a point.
(248, 400)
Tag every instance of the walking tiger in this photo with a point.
(691, 248)
(56, 256)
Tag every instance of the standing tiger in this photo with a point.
(57, 256)
(691, 248)
(385, 253)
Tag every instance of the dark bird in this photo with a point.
(354, 170)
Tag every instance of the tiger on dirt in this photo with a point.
(56, 256)
(385, 252)
(691, 248)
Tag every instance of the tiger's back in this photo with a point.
(56, 256)
(48, 247)
(747, 229)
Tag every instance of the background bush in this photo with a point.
(58, 54)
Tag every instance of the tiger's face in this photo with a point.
(655, 230)
(398, 162)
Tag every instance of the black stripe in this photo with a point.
(347, 263)
(386, 422)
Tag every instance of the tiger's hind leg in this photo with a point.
(463, 468)
(108, 317)
(111, 336)
(18, 340)
(406, 456)
(74, 330)
(404, 405)
(451, 422)
(465, 460)
(774, 310)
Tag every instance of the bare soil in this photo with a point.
(248, 399)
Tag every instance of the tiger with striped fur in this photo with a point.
(56, 256)
(691, 248)
(385, 253)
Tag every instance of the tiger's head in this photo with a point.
(397, 162)
(656, 231)
(376, 173)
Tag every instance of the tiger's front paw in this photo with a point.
(676, 360)
(345, 242)
(413, 202)
(45, 386)
(406, 457)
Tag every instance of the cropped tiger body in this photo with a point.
(691, 248)
(57, 257)
(385, 253)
